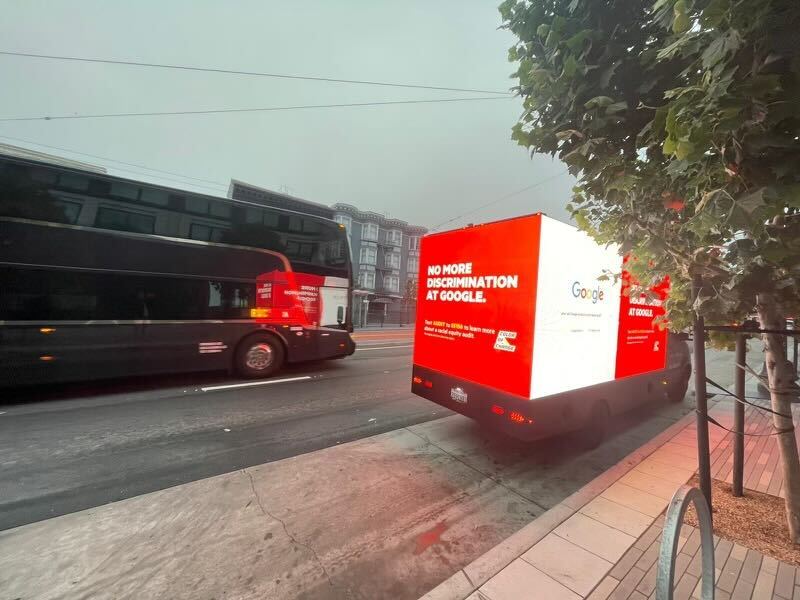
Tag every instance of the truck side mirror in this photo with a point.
(340, 314)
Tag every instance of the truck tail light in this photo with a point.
(520, 418)
(428, 384)
(498, 410)
(416, 379)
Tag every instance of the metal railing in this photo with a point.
(671, 537)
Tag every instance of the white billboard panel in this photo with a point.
(576, 316)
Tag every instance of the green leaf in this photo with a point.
(608, 73)
(752, 200)
(575, 43)
(543, 30)
(681, 24)
(669, 146)
(568, 133)
(719, 49)
(616, 107)
(570, 66)
(598, 102)
(552, 39)
(659, 121)
(505, 9)
(582, 222)
(715, 13)
(683, 150)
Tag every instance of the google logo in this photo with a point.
(596, 295)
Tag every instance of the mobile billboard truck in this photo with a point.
(514, 329)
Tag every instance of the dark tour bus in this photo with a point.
(105, 277)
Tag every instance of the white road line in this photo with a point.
(383, 347)
(231, 386)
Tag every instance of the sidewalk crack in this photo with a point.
(266, 513)
(486, 475)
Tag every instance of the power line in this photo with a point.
(247, 110)
(506, 197)
(131, 63)
(113, 160)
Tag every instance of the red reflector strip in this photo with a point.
(498, 410)
(428, 384)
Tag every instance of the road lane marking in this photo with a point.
(384, 347)
(231, 386)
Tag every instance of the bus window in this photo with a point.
(123, 220)
(230, 300)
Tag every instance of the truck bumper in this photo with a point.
(518, 417)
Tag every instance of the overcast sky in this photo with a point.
(424, 163)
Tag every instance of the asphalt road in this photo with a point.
(68, 448)
(310, 526)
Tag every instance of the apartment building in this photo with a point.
(385, 255)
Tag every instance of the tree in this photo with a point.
(410, 296)
(680, 120)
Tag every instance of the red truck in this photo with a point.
(515, 329)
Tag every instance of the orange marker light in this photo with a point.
(516, 417)
(46, 330)
(259, 313)
(47, 358)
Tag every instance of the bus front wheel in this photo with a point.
(259, 356)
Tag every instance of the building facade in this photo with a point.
(385, 255)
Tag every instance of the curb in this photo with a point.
(467, 580)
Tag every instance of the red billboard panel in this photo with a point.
(642, 342)
(476, 303)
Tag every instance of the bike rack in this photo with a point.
(671, 536)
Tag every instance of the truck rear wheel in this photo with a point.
(596, 428)
(259, 355)
(677, 389)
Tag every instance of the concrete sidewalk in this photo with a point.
(602, 542)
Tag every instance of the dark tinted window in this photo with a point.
(73, 181)
(230, 300)
(123, 220)
(24, 194)
(52, 295)
(206, 233)
(70, 209)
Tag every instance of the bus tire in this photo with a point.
(596, 428)
(259, 355)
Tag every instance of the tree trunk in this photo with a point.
(781, 377)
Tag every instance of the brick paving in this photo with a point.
(761, 453)
(741, 573)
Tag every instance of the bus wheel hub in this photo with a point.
(259, 357)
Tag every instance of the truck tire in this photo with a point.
(677, 389)
(259, 355)
(596, 428)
